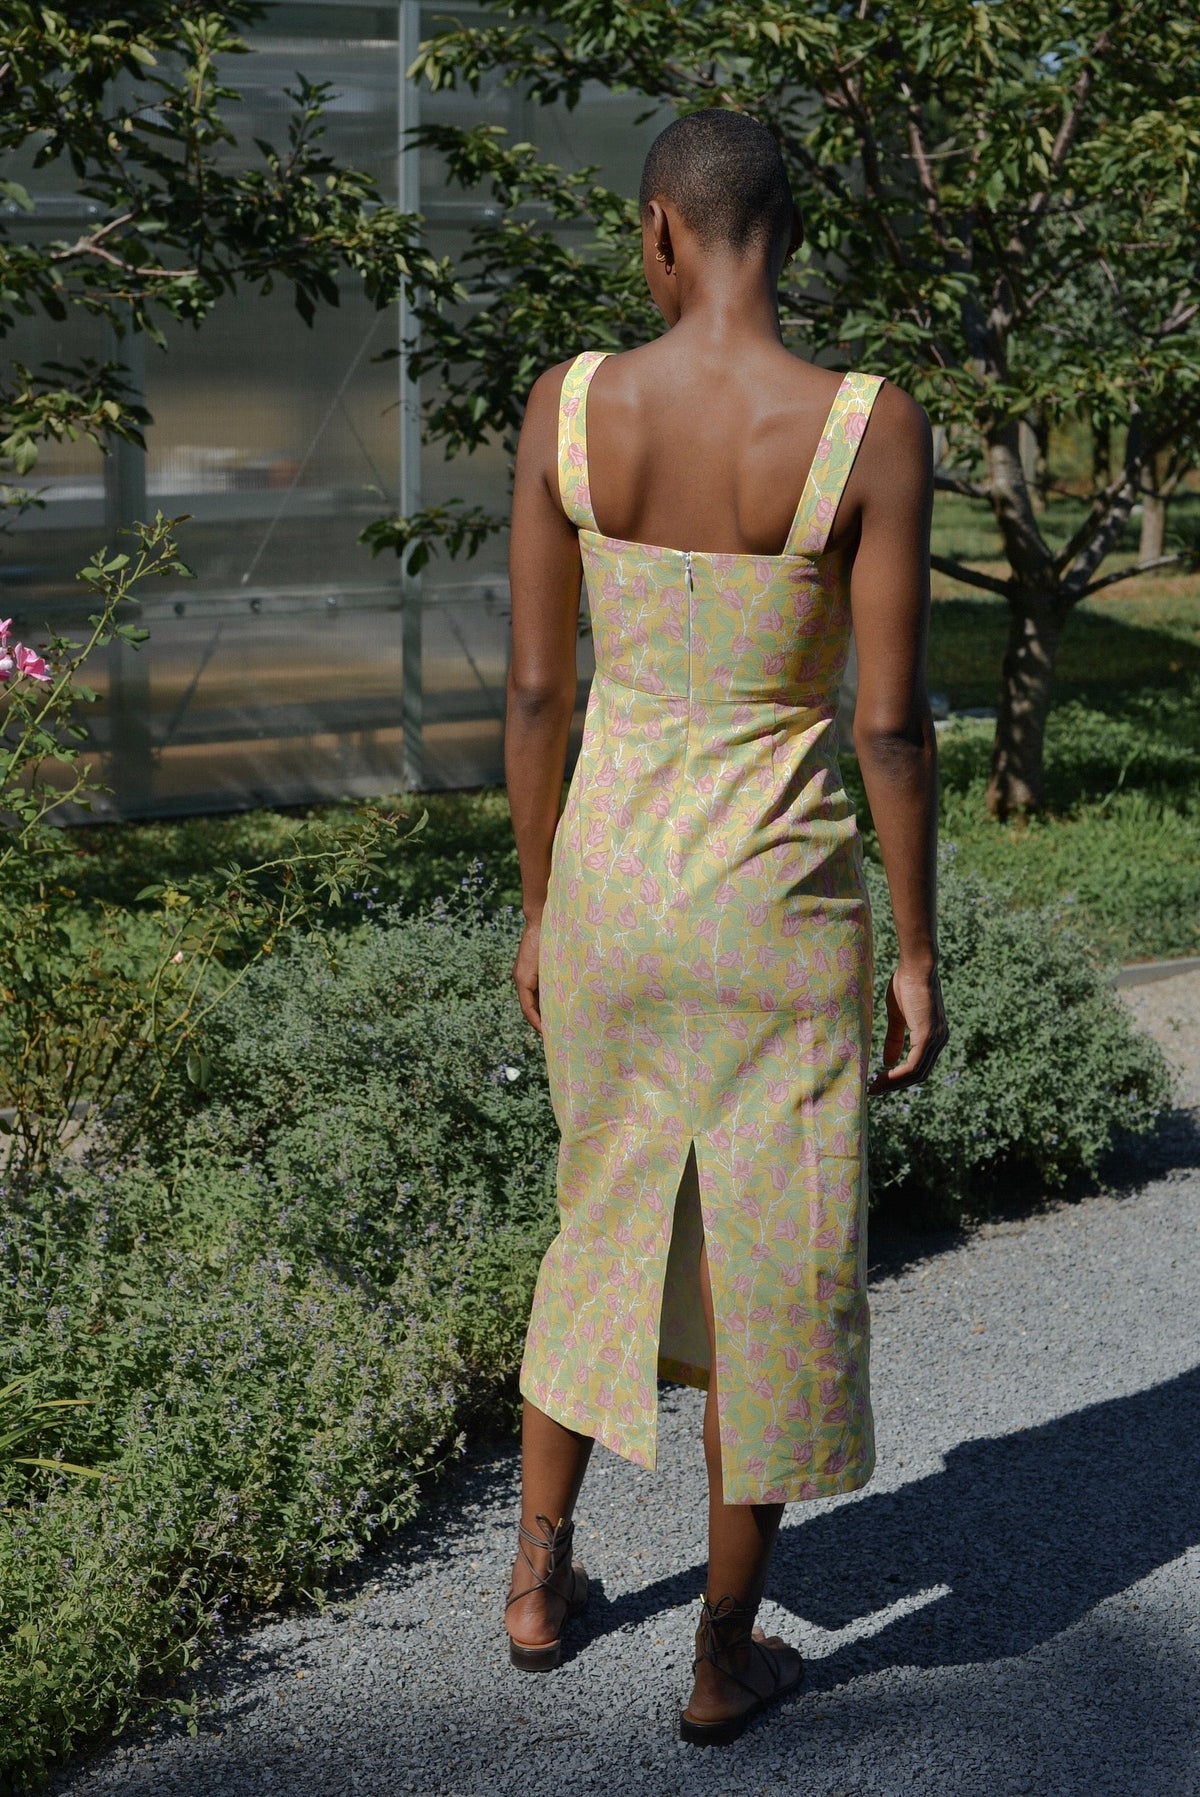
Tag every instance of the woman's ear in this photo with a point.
(660, 231)
(797, 237)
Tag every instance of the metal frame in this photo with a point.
(408, 191)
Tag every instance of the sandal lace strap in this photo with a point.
(728, 1616)
(557, 1543)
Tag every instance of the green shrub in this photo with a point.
(388, 1086)
(256, 1418)
(97, 1006)
(322, 1264)
(112, 866)
(1045, 1068)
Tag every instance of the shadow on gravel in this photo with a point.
(903, 1234)
(1029, 1531)
(1173, 1148)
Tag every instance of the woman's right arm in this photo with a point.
(893, 726)
(544, 578)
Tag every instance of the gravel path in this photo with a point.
(1170, 1010)
(1012, 1605)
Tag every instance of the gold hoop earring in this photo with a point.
(660, 255)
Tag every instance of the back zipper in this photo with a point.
(687, 575)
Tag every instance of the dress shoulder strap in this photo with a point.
(843, 432)
(573, 488)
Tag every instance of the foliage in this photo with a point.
(388, 1086)
(134, 110)
(95, 1018)
(392, 1091)
(1002, 208)
(111, 866)
(257, 1419)
(1120, 841)
(279, 1337)
(1045, 1068)
(42, 768)
(24, 1423)
(95, 1021)
(283, 1309)
(453, 527)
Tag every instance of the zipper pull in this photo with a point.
(687, 566)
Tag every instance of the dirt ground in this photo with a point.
(1170, 1010)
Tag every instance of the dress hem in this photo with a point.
(798, 1491)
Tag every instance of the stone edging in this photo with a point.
(1142, 973)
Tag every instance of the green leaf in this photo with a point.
(61, 1466)
(13, 191)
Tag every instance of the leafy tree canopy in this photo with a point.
(133, 113)
(1002, 214)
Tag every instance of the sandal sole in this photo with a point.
(535, 1659)
(723, 1734)
(548, 1655)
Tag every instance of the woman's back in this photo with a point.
(692, 447)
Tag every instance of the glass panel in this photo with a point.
(278, 673)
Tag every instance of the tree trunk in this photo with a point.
(1031, 466)
(1018, 778)
(1101, 454)
(1154, 512)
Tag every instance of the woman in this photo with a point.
(697, 949)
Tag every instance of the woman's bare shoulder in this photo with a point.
(899, 419)
(547, 389)
(893, 472)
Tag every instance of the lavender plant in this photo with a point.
(93, 1021)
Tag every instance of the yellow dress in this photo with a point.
(706, 980)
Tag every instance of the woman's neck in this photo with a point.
(728, 299)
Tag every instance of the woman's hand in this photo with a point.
(525, 973)
(914, 1007)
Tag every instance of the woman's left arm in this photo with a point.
(545, 575)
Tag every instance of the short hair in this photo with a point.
(724, 174)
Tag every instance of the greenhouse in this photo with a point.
(295, 666)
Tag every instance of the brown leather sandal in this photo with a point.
(723, 1626)
(546, 1655)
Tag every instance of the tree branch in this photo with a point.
(1110, 507)
(1012, 507)
(1068, 130)
(1136, 568)
(872, 172)
(920, 156)
(972, 577)
(953, 483)
(83, 244)
(1178, 319)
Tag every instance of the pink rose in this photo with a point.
(30, 664)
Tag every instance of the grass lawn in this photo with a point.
(1120, 842)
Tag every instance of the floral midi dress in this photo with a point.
(706, 979)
